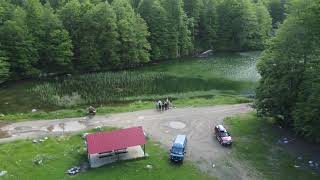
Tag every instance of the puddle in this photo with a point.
(23, 128)
(3, 124)
(66, 127)
(177, 125)
(61, 126)
(4, 134)
(50, 128)
(74, 126)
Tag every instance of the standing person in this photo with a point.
(157, 105)
(165, 104)
(168, 103)
(160, 105)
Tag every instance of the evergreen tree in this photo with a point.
(156, 18)
(277, 11)
(19, 45)
(193, 10)
(45, 36)
(55, 49)
(208, 26)
(179, 41)
(4, 67)
(99, 44)
(55, 4)
(6, 10)
(135, 3)
(72, 16)
(33, 9)
(133, 35)
(238, 25)
(265, 24)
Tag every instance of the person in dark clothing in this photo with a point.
(165, 105)
(167, 102)
(92, 110)
(159, 103)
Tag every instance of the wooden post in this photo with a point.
(144, 149)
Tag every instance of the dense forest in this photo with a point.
(289, 89)
(62, 36)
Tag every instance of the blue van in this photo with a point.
(178, 149)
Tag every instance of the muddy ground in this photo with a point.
(196, 123)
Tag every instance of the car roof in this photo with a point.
(221, 128)
(180, 139)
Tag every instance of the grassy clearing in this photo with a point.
(256, 143)
(225, 73)
(133, 106)
(98, 88)
(16, 98)
(230, 74)
(235, 66)
(60, 153)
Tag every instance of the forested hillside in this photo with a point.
(60, 36)
(289, 89)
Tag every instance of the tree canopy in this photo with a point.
(50, 36)
(290, 84)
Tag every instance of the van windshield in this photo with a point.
(176, 150)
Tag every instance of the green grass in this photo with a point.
(128, 107)
(14, 97)
(256, 143)
(61, 153)
(230, 74)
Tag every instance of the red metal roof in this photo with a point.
(115, 140)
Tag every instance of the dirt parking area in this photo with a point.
(196, 123)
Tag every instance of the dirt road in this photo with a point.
(196, 123)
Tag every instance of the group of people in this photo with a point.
(160, 105)
(163, 105)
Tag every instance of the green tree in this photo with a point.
(33, 9)
(208, 26)
(277, 11)
(289, 87)
(18, 45)
(193, 10)
(135, 3)
(6, 10)
(238, 25)
(156, 18)
(4, 67)
(179, 41)
(133, 34)
(55, 49)
(264, 25)
(72, 18)
(99, 43)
